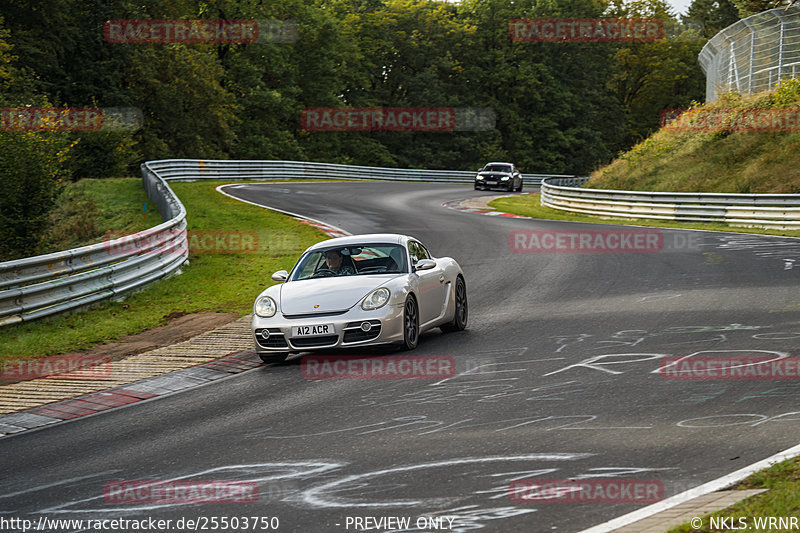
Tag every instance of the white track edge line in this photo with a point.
(701, 490)
(295, 215)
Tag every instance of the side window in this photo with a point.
(413, 251)
(425, 254)
(417, 251)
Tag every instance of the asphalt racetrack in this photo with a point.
(560, 376)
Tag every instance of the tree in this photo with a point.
(31, 166)
(273, 82)
(411, 54)
(751, 7)
(652, 76)
(65, 59)
(554, 111)
(710, 16)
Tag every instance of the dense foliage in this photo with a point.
(559, 107)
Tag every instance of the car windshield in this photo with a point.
(351, 261)
(497, 168)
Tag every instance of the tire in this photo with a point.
(273, 357)
(410, 324)
(519, 189)
(461, 314)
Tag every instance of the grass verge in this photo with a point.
(84, 211)
(781, 500)
(529, 205)
(736, 153)
(212, 282)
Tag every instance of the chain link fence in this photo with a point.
(753, 54)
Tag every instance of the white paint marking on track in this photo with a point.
(316, 496)
(284, 471)
(59, 483)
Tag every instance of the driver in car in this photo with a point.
(334, 260)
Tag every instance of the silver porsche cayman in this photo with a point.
(361, 290)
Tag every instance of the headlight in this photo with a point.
(504, 178)
(479, 178)
(265, 307)
(376, 299)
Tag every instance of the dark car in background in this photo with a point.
(504, 176)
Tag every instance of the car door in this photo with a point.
(431, 284)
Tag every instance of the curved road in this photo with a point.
(558, 379)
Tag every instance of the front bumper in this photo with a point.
(386, 327)
(492, 184)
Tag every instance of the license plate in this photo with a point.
(491, 183)
(313, 331)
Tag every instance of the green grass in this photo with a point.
(723, 160)
(783, 482)
(121, 204)
(529, 205)
(87, 209)
(211, 282)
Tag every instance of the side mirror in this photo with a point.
(425, 264)
(280, 275)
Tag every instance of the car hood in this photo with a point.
(329, 294)
(494, 174)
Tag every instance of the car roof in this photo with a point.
(369, 238)
(498, 163)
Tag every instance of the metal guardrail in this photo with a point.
(778, 211)
(753, 54)
(45, 285)
(188, 169)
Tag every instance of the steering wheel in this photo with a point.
(323, 273)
